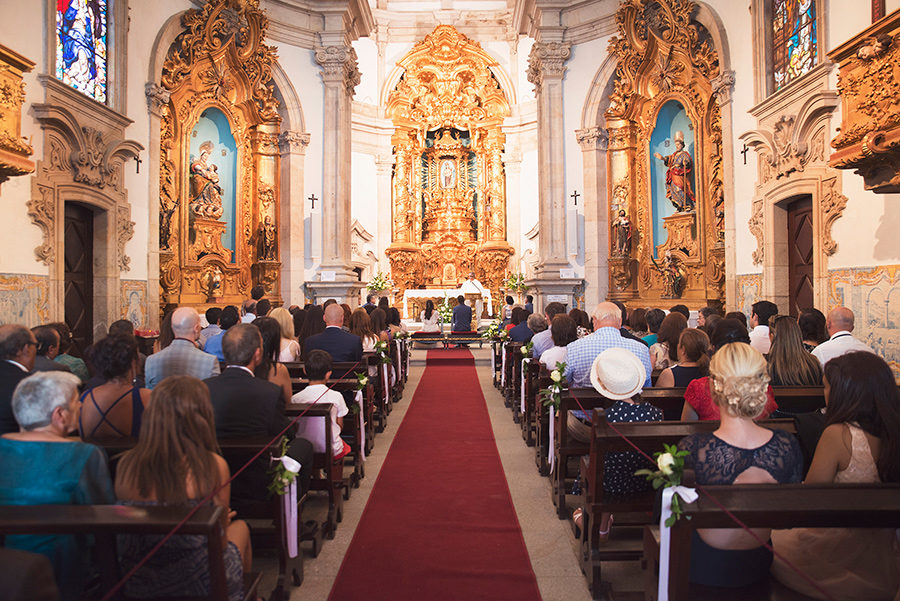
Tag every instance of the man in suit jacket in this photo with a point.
(47, 349)
(182, 357)
(18, 347)
(462, 316)
(341, 345)
(246, 406)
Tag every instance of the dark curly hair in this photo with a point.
(113, 356)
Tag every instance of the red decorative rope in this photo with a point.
(112, 592)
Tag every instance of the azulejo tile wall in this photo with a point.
(749, 290)
(873, 294)
(134, 302)
(24, 299)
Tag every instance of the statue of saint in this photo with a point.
(267, 241)
(679, 172)
(623, 230)
(206, 194)
(673, 276)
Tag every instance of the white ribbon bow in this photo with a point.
(688, 495)
(362, 425)
(522, 384)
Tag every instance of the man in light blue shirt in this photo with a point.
(607, 319)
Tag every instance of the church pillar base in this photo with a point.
(569, 291)
(342, 292)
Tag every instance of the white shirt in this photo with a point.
(248, 318)
(313, 429)
(554, 355)
(759, 339)
(841, 343)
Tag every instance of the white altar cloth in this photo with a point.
(449, 293)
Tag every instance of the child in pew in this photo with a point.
(318, 370)
(619, 375)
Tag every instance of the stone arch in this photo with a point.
(289, 108)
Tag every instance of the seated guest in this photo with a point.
(759, 319)
(537, 323)
(270, 368)
(347, 313)
(263, 306)
(711, 322)
(789, 363)
(382, 304)
(244, 405)
(177, 462)
(17, 352)
(681, 309)
(738, 315)
(288, 347)
(120, 328)
(395, 324)
(529, 303)
(582, 322)
(370, 304)
(637, 322)
(113, 409)
(738, 452)
(182, 357)
(379, 324)
(693, 361)
(47, 349)
(318, 370)
(342, 346)
(703, 315)
(313, 323)
(861, 443)
(839, 325)
(607, 320)
(655, 318)
(506, 311)
(812, 328)
(78, 366)
(563, 332)
(665, 352)
(213, 344)
(617, 375)
(699, 403)
(299, 316)
(213, 329)
(41, 466)
(361, 325)
(624, 330)
(248, 311)
(430, 318)
(462, 316)
(541, 341)
(520, 332)
(27, 576)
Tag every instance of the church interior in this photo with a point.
(705, 153)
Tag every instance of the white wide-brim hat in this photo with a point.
(618, 374)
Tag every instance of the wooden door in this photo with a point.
(79, 275)
(800, 254)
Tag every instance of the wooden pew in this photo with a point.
(497, 361)
(542, 442)
(625, 542)
(795, 400)
(776, 506)
(531, 396)
(104, 522)
(513, 354)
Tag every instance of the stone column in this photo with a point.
(512, 162)
(157, 98)
(593, 142)
(722, 88)
(339, 77)
(383, 165)
(292, 145)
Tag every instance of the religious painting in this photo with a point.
(213, 172)
(448, 174)
(794, 47)
(671, 168)
(81, 49)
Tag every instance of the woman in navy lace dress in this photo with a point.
(738, 452)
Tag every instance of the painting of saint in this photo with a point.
(448, 174)
(206, 193)
(679, 174)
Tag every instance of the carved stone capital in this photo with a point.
(339, 66)
(293, 142)
(124, 233)
(383, 164)
(157, 97)
(547, 60)
(592, 138)
(722, 87)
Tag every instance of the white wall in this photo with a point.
(367, 61)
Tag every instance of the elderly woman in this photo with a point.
(738, 452)
(42, 466)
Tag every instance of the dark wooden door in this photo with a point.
(800, 254)
(79, 275)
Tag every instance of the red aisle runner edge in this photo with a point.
(440, 523)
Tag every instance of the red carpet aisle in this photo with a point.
(440, 524)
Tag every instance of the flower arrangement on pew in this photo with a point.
(284, 472)
(493, 331)
(670, 464)
(381, 349)
(551, 395)
(445, 309)
(526, 349)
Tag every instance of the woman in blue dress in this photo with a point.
(41, 466)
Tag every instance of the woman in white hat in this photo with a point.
(618, 375)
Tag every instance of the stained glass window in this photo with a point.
(81, 50)
(794, 39)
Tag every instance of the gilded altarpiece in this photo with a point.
(664, 59)
(218, 76)
(449, 184)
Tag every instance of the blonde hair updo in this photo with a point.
(739, 380)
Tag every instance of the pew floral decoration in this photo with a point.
(381, 349)
(670, 464)
(493, 331)
(445, 310)
(526, 348)
(551, 395)
(362, 380)
(284, 472)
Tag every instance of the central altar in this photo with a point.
(449, 183)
